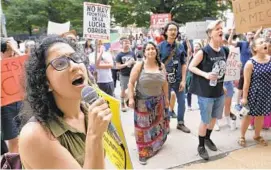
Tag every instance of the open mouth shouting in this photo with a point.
(78, 80)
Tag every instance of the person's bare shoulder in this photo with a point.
(33, 134)
(36, 141)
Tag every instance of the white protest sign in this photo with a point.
(234, 65)
(96, 21)
(196, 30)
(57, 28)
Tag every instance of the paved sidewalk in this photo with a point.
(255, 157)
(181, 149)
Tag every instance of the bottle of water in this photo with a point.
(213, 82)
(245, 110)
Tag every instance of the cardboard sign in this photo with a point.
(57, 28)
(96, 21)
(160, 20)
(250, 15)
(119, 156)
(12, 70)
(196, 30)
(234, 65)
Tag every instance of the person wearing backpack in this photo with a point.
(209, 67)
(173, 55)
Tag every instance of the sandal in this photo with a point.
(242, 141)
(261, 141)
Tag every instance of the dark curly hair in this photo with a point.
(40, 103)
(157, 58)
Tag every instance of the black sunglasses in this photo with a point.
(63, 62)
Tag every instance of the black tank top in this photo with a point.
(212, 60)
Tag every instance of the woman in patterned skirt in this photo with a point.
(256, 91)
(149, 102)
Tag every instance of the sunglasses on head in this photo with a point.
(63, 62)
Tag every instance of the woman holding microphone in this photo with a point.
(66, 132)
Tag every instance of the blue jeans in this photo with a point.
(211, 108)
(180, 100)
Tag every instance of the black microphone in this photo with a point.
(89, 95)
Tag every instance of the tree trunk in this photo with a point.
(30, 30)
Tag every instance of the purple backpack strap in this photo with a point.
(11, 161)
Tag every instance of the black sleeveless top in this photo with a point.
(212, 61)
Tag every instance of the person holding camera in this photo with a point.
(173, 56)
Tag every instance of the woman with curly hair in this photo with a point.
(151, 99)
(63, 130)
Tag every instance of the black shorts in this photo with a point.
(9, 121)
(241, 81)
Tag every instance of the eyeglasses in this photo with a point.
(63, 62)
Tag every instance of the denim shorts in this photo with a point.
(9, 120)
(229, 86)
(211, 108)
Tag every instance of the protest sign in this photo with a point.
(250, 15)
(118, 155)
(234, 65)
(160, 20)
(12, 70)
(196, 30)
(96, 21)
(57, 28)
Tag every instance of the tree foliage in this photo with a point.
(25, 15)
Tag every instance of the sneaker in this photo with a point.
(250, 127)
(203, 153)
(228, 119)
(123, 108)
(183, 128)
(189, 108)
(172, 114)
(210, 144)
(217, 128)
(143, 161)
(232, 116)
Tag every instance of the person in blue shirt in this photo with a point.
(173, 55)
(246, 54)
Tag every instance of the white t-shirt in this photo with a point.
(105, 75)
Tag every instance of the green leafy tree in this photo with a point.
(182, 11)
(24, 15)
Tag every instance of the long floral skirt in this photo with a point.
(151, 125)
